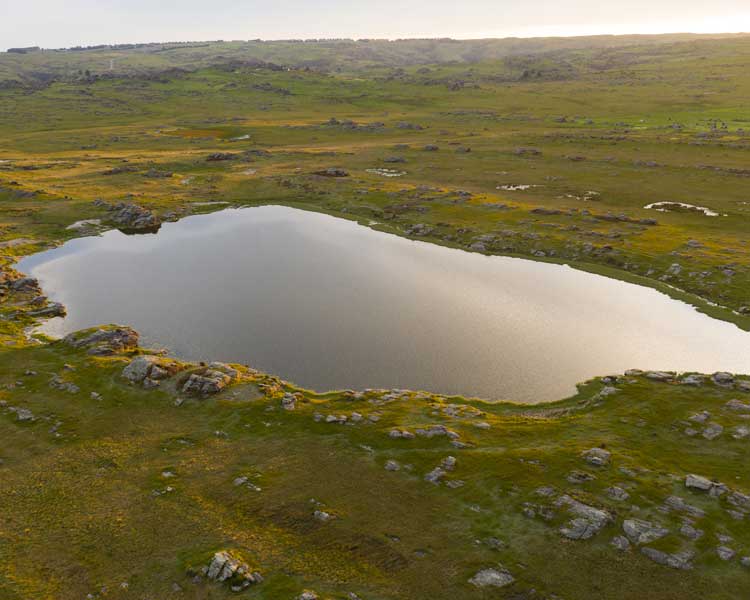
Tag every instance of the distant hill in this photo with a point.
(34, 66)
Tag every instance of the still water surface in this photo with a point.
(330, 304)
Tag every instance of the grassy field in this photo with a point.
(546, 149)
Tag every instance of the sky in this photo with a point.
(64, 23)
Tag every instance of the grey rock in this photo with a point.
(497, 578)
(679, 504)
(700, 417)
(617, 493)
(392, 465)
(104, 342)
(712, 431)
(139, 368)
(697, 482)
(738, 406)
(579, 477)
(598, 457)
(206, 383)
(621, 543)
(679, 560)
(643, 532)
(725, 553)
(723, 378)
(691, 532)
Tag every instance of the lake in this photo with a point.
(330, 304)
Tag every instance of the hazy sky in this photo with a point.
(58, 23)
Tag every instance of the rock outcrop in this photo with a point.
(104, 341)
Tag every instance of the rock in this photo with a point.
(680, 560)
(206, 383)
(133, 217)
(448, 463)
(588, 522)
(712, 431)
(392, 465)
(308, 595)
(394, 159)
(579, 477)
(104, 341)
(617, 493)
(697, 482)
(642, 532)
(431, 148)
(691, 532)
(677, 503)
(322, 516)
(740, 432)
(226, 568)
(138, 368)
(54, 309)
(598, 457)
(738, 406)
(723, 378)
(492, 578)
(220, 156)
(149, 370)
(24, 415)
(695, 380)
(579, 529)
(725, 553)
(289, 402)
(700, 417)
(435, 475)
(621, 543)
(745, 561)
(332, 172)
(660, 376)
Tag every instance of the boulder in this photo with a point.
(723, 378)
(588, 520)
(492, 577)
(206, 383)
(643, 532)
(332, 172)
(149, 370)
(697, 482)
(224, 567)
(679, 560)
(104, 341)
(598, 457)
(712, 431)
(133, 217)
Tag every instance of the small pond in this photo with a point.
(330, 304)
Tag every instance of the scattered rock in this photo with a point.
(588, 522)
(332, 172)
(697, 482)
(621, 543)
(679, 560)
(104, 341)
(133, 217)
(598, 457)
(643, 532)
(208, 382)
(392, 465)
(712, 431)
(725, 553)
(226, 568)
(617, 493)
(492, 578)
